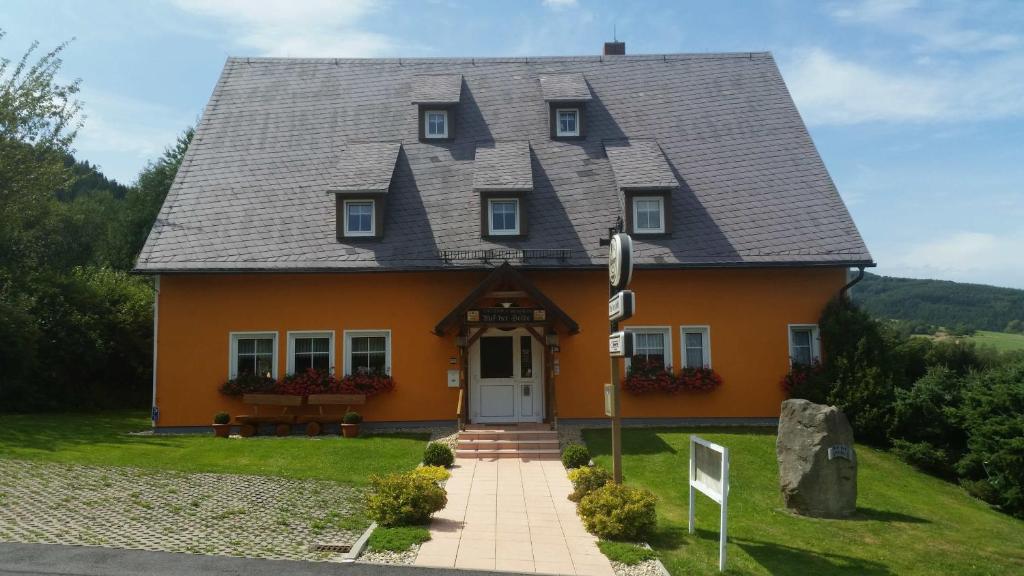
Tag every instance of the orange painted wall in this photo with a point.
(748, 311)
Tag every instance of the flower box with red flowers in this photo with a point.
(698, 380)
(646, 376)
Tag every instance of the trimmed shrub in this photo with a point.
(221, 418)
(618, 512)
(404, 499)
(352, 417)
(575, 456)
(432, 473)
(587, 479)
(437, 454)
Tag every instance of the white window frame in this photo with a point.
(558, 122)
(234, 337)
(490, 217)
(703, 329)
(815, 340)
(426, 124)
(309, 334)
(636, 211)
(666, 330)
(350, 334)
(373, 218)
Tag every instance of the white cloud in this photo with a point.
(937, 27)
(559, 4)
(832, 90)
(297, 28)
(964, 256)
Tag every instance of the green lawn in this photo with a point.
(103, 439)
(907, 522)
(1002, 341)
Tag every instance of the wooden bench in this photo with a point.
(315, 422)
(283, 418)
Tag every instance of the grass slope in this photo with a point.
(907, 522)
(1002, 341)
(940, 302)
(102, 439)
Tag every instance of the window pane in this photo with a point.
(376, 344)
(525, 357)
(360, 344)
(376, 362)
(265, 364)
(801, 355)
(303, 363)
(802, 338)
(567, 122)
(695, 340)
(322, 362)
(648, 214)
(496, 357)
(246, 364)
(265, 346)
(246, 346)
(303, 345)
(503, 215)
(321, 344)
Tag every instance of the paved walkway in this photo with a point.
(512, 515)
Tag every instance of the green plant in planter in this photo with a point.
(575, 456)
(438, 454)
(221, 418)
(350, 424)
(352, 417)
(221, 424)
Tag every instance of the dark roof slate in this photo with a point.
(639, 164)
(564, 88)
(437, 89)
(503, 166)
(365, 167)
(251, 190)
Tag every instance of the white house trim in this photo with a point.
(233, 338)
(348, 335)
(815, 340)
(666, 330)
(705, 329)
(292, 335)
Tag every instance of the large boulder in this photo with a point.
(817, 463)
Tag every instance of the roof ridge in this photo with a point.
(667, 56)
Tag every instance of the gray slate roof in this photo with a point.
(503, 166)
(365, 167)
(564, 88)
(251, 191)
(436, 89)
(639, 164)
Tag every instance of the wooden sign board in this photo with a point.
(621, 306)
(620, 345)
(507, 315)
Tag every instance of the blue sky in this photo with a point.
(916, 107)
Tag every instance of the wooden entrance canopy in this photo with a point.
(506, 281)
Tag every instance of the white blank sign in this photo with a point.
(709, 474)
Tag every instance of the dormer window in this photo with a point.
(568, 122)
(359, 218)
(435, 124)
(649, 214)
(504, 216)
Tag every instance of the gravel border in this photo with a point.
(404, 558)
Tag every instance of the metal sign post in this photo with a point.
(620, 344)
(709, 473)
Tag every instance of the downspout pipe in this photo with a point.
(845, 289)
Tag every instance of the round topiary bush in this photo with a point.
(586, 479)
(617, 512)
(575, 456)
(404, 499)
(438, 454)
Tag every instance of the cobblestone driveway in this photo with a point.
(222, 514)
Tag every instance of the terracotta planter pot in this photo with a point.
(350, 430)
(221, 430)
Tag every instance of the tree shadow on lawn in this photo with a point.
(782, 559)
(56, 432)
(636, 441)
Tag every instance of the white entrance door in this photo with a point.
(506, 377)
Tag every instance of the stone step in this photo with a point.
(532, 454)
(505, 444)
(508, 435)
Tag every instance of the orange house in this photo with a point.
(440, 222)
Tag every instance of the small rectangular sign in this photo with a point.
(840, 451)
(621, 306)
(609, 401)
(506, 315)
(620, 344)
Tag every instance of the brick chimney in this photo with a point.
(615, 48)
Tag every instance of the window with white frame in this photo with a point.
(435, 124)
(568, 122)
(653, 344)
(253, 354)
(359, 218)
(504, 216)
(308, 350)
(368, 352)
(648, 214)
(804, 348)
(696, 344)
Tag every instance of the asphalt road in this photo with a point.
(58, 560)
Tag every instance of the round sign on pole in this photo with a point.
(620, 261)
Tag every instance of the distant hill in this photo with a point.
(942, 303)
